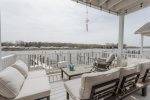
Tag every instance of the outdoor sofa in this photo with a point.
(114, 84)
(18, 83)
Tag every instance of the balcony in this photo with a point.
(50, 62)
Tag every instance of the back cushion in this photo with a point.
(144, 66)
(135, 60)
(88, 80)
(11, 81)
(129, 69)
(21, 67)
(110, 58)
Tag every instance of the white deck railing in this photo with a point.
(50, 60)
(8, 60)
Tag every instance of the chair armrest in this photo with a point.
(101, 59)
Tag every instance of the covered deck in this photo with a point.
(58, 91)
(50, 61)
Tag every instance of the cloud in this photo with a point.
(64, 21)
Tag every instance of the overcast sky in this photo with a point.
(64, 21)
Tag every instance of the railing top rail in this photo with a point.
(8, 56)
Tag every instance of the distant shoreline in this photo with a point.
(23, 49)
(56, 48)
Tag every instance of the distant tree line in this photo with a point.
(51, 44)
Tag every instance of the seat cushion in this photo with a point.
(129, 69)
(11, 81)
(35, 74)
(3, 98)
(22, 67)
(144, 66)
(90, 79)
(34, 88)
(73, 88)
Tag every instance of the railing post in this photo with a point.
(70, 58)
(84, 58)
(88, 58)
(57, 59)
(77, 58)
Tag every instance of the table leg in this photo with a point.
(62, 74)
(144, 91)
(67, 96)
(69, 78)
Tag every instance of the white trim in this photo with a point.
(142, 40)
(0, 44)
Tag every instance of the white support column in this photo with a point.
(0, 44)
(120, 39)
(142, 39)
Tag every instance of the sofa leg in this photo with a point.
(67, 96)
(144, 91)
(48, 98)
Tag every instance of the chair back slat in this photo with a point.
(146, 75)
(129, 82)
(104, 90)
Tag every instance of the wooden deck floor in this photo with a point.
(58, 91)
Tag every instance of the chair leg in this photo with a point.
(67, 96)
(48, 98)
(144, 91)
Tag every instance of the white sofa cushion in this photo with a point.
(3, 98)
(131, 61)
(36, 74)
(129, 69)
(73, 88)
(22, 67)
(88, 80)
(34, 88)
(11, 81)
(144, 66)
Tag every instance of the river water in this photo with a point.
(146, 51)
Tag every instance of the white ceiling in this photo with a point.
(117, 7)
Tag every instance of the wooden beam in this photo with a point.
(124, 4)
(135, 7)
(112, 3)
(94, 2)
(101, 2)
(96, 7)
